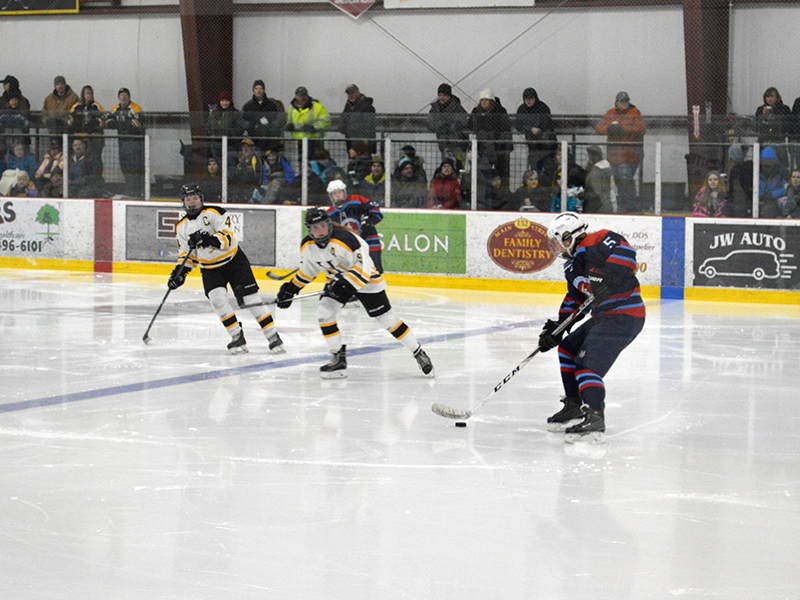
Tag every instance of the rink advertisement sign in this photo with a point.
(747, 255)
(150, 233)
(520, 246)
(30, 228)
(424, 243)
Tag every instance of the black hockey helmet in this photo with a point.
(314, 215)
(192, 189)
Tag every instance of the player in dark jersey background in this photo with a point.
(359, 214)
(601, 263)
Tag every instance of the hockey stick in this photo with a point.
(275, 277)
(146, 338)
(275, 301)
(463, 415)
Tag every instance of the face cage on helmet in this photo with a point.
(193, 212)
(323, 241)
(557, 246)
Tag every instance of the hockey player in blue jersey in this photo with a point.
(358, 214)
(601, 263)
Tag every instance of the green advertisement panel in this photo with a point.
(424, 243)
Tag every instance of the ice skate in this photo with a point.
(591, 428)
(238, 345)
(337, 368)
(424, 362)
(570, 414)
(276, 344)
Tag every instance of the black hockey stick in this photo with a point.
(463, 415)
(275, 300)
(146, 338)
(275, 277)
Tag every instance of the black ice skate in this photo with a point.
(238, 344)
(592, 427)
(570, 414)
(424, 362)
(276, 344)
(337, 368)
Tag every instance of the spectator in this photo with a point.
(624, 127)
(530, 195)
(317, 191)
(357, 122)
(772, 184)
(373, 186)
(534, 122)
(24, 187)
(266, 119)
(409, 187)
(773, 124)
(211, 181)
(740, 182)
(20, 158)
(53, 158)
(360, 163)
(339, 173)
(85, 172)
(246, 177)
(15, 113)
(126, 118)
(54, 188)
(225, 120)
(86, 119)
(445, 189)
(307, 119)
(790, 203)
(710, 200)
(277, 174)
(448, 120)
(497, 196)
(323, 163)
(57, 105)
(417, 162)
(490, 123)
(597, 195)
(576, 182)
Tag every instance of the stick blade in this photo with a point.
(450, 413)
(146, 339)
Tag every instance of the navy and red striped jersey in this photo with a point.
(360, 215)
(609, 254)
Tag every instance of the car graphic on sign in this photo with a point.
(758, 264)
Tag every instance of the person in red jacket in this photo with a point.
(624, 127)
(445, 189)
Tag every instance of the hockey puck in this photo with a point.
(460, 424)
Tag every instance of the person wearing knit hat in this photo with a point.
(535, 123)
(55, 112)
(309, 119)
(448, 120)
(358, 120)
(265, 117)
(225, 120)
(624, 127)
(127, 119)
(490, 123)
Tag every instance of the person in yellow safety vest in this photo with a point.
(307, 118)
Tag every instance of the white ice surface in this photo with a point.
(176, 471)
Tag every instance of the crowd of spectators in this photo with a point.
(259, 171)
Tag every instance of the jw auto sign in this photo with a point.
(746, 256)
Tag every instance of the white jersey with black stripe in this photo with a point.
(212, 220)
(346, 255)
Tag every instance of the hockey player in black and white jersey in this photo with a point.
(344, 258)
(206, 233)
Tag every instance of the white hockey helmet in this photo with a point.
(334, 186)
(564, 231)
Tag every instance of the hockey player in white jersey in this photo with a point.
(206, 233)
(344, 258)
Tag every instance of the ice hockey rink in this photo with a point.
(176, 471)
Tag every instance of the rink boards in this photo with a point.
(703, 259)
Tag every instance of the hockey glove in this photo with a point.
(286, 293)
(548, 341)
(203, 239)
(600, 287)
(178, 277)
(339, 289)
